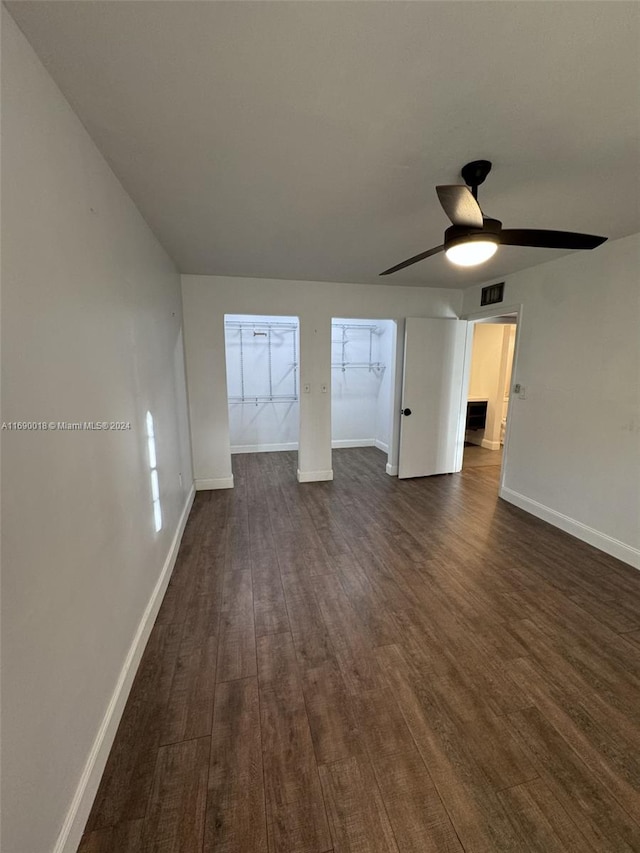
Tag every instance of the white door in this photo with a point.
(432, 431)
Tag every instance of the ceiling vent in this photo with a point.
(492, 293)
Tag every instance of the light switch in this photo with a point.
(522, 393)
(306, 388)
(323, 388)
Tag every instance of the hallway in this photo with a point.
(379, 665)
(480, 457)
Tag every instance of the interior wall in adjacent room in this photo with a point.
(263, 361)
(491, 362)
(359, 363)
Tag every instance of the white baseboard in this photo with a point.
(353, 442)
(594, 537)
(314, 476)
(392, 470)
(264, 448)
(490, 445)
(471, 437)
(78, 813)
(216, 483)
(381, 445)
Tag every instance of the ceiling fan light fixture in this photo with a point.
(470, 253)
(473, 238)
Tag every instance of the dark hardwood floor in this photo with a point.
(379, 665)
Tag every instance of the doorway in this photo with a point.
(489, 391)
(263, 370)
(362, 385)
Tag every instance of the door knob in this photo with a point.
(406, 412)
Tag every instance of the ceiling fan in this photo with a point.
(473, 238)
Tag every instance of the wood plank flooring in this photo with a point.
(379, 666)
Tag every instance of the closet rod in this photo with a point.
(373, 365)
(354, 326)
(264, 398)
(237, 324)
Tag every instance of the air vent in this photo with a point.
(492, 293)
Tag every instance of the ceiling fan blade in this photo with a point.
(549, 239)
(460, 205)
(413, 260)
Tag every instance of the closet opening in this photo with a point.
(362, 386)
(489, 391)
(263, 388)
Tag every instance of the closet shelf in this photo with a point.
(344, 363)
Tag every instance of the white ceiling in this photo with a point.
(303, 140)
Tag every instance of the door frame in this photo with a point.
(394, 367)
(257, 317)
(472, 318)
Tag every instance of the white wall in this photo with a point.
(384, 407)
(358, 392)
(91, 331)
(207, 299)
(574, 443)
(263, 426)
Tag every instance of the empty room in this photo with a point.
(320, 426)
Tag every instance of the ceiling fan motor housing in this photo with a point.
(475, 173)
(456, 234)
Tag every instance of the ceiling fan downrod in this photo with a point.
(474, 174)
